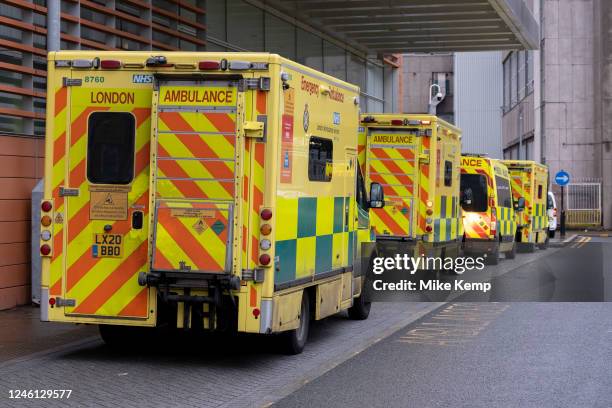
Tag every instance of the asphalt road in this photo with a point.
(529, 354)
(410, 354)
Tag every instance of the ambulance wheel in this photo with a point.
(493, 257)
(360, 309)
(529, 247)
(119, 337)
(511, 254)
(295, 340)
(544, 245)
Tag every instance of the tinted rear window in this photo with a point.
(110, 147)
(477, 184)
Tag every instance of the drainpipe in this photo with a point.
(53, 25)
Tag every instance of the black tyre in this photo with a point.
(545, 244)
(493, 257)
(295, 340)
(512, 253)
(121, 337)
(360, 309)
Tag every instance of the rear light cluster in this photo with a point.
(46, 222)
(429, 220)
(493, 224)
(397, 122)
(265, 243)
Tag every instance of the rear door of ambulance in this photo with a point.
(101, 159)
(391, 161)
(196, 201)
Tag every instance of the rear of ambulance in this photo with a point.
(154, 191)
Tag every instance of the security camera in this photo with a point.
(439, 96)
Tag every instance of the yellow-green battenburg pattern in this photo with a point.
(313, 235)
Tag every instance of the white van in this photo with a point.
(551, 210)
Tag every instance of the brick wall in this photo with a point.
(21, 165)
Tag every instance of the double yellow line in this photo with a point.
(580, 242)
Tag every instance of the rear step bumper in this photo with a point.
(195, 280)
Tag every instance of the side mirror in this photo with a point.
(519, 205)
(377, 196)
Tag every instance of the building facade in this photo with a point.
(557, 100)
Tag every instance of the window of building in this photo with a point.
(280, 37)
(356, 71)
(110, 147)
(310, 49)
(247, 25)
(506, 74)
(448, 173)
(334, 60)
(513, 79)
(444, 81)
(522, 78)
(504, 198)
(320, 159)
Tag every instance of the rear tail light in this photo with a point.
(110, 64)
(45, 220)
(493, 224)
(52, 301)
(429, 211)
(265, 229)
(266, 214)
(397, 122)
(428, 228)
(256, 312)
(45, 249)
(209, 65)
(46, 206)
(264, 259)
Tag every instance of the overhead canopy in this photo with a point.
(399, 26)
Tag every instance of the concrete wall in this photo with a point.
(417, 72)
(21, 165)
(478, 100)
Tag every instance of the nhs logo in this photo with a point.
(142, 79)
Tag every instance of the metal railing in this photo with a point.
(583, 203)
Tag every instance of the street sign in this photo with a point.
(562, 178)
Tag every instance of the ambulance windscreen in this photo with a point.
(110, 147)
(474, 192)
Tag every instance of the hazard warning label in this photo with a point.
(108, 205)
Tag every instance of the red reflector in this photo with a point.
(256, 312)
(45, 249)
(209, 65)
(397, 122)
(110, 64)
(52, 301)
(264, 259)
(46, 206)
(266, 214)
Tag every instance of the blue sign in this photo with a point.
(562, 178)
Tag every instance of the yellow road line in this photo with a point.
(581, 244)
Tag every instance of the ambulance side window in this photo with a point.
(448, 173)
(362, 198)
(504, 198)
(110, 147)
(540, 191)
(320, 159)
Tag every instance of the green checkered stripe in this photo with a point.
(446, 227)
(539, 220)
(310, 232)
(506, 224)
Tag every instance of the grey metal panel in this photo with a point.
(478, 101)
(37, 196)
